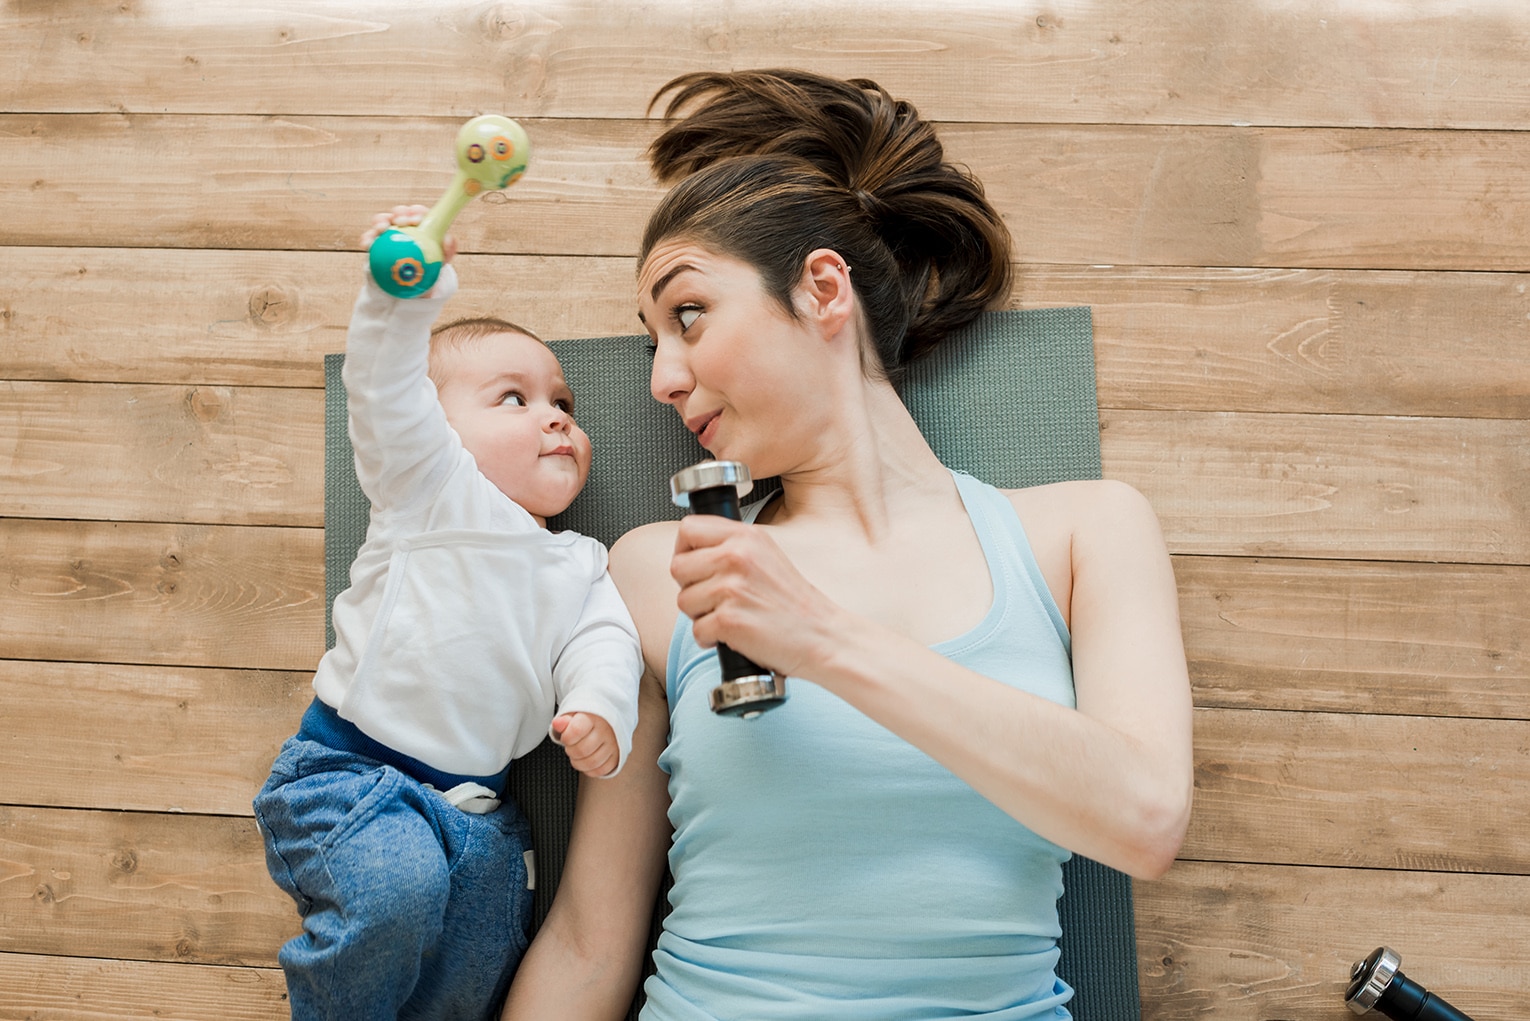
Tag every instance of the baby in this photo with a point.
(468, 632)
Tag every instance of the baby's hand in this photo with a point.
(589, 741)
(404, 216)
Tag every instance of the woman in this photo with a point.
(984, 681)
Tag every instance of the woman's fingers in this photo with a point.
(738, 587)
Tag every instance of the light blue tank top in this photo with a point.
(826, 869)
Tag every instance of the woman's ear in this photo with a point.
(825, 294)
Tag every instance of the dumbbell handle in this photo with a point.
(714, 487)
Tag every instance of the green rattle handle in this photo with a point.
(492, 153)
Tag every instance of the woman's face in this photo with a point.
(728, 357)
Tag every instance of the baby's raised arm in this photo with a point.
(398, 430)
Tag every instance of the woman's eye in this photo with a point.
(512, 397)
(687, 315)
(652, 349)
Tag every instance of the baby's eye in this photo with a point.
(564, 405)
(687, 315)
(512, 397)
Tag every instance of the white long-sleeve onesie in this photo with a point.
(466, 626)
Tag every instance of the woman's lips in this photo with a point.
(705, 427)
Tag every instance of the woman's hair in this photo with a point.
(775, 164)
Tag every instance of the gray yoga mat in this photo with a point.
(1010, 399)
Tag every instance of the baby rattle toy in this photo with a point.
(492, 152)
(713, 487)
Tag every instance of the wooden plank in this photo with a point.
(33, 987)
(1227, 941)
(157, 739)
(1368, 791)
(1252, 484)
(1332, 487)
(1253, 942)
(189, 595)
(1360, 637)
(1314, 341)
(258, 318)
(138, 452)
(178, 888)
(294, 183)
(1317, 341)
(1421, 65)
(1089, 195)
(1273, 787)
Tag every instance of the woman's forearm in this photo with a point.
(1082, 783)
(1110, 779)
(586, 960)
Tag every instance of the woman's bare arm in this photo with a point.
(588, 956)
(1111, 779)
(586, 960)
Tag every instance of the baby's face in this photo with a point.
(506, 398)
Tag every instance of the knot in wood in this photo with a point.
(270, 306)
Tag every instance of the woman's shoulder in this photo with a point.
(639, 565)
(644, 551)
(1081, 501)
(1087, 515)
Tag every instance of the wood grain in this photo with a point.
(1361, 637)
(1358, 342)
(1230, 483)
(257, 318)
(1352, 791)
(150, 739)
(1181, 339)
(1089, 195)
(1422, 65)
(1353, 487)
(117, 451)
(1255, 942)
(1305, 788)
(34, 987)
(1349, 636)
(1300, 231)
(181, 595)
(150, 887)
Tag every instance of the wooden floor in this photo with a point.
(1302, 228)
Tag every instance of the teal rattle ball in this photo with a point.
(401, 266)
(492, 153)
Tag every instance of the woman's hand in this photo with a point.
(739, 588)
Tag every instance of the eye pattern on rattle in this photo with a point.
(407, 272)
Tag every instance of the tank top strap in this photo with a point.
(750, 511)
(1007, 547)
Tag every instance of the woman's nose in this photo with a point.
(669, 380)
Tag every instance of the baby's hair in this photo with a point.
(775, 164)
(462, 333)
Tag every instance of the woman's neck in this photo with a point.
(873, 463)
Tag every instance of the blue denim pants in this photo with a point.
(412, 909)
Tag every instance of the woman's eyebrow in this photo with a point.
(663, 281)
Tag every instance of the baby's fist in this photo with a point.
(589, 741)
